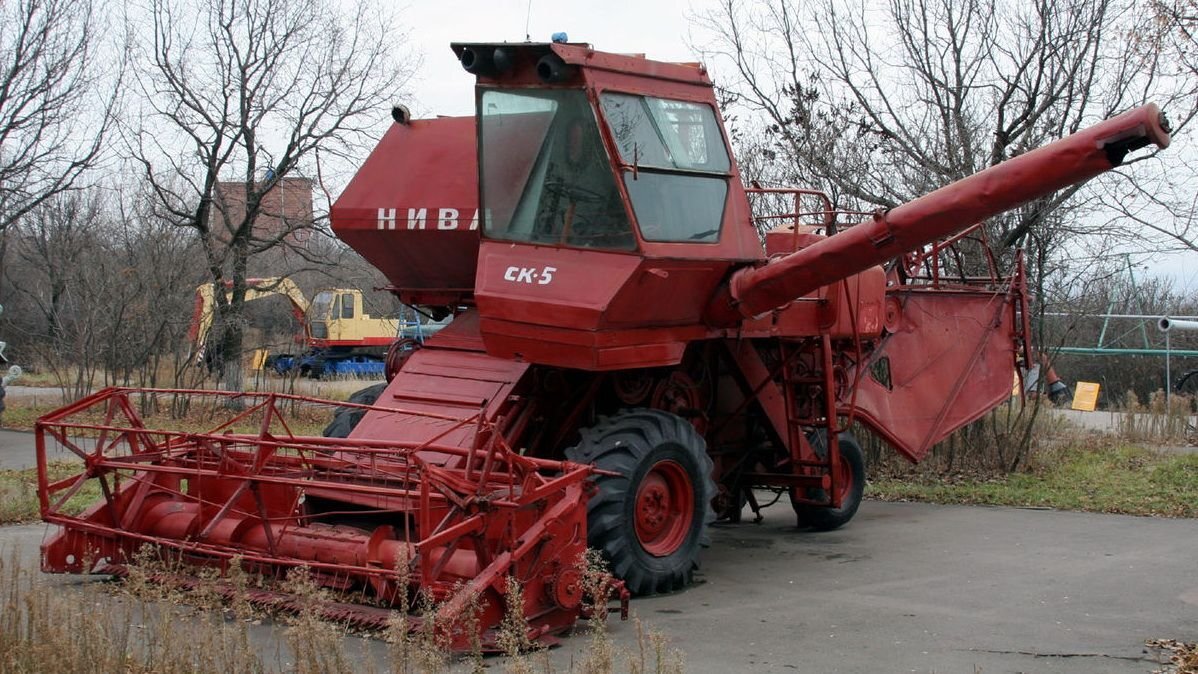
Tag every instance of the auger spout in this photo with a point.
(948, 210)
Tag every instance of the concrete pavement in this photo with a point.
(18, 450)
(927, 588)
(918, 588)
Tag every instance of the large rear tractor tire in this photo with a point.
(346, 418)
(650, 518)
(850, 483)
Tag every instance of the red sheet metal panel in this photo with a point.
(951, 361)
(589, 309)
(461, 333)
(437, 396)
(412, 209)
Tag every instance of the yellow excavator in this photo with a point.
(338, 338)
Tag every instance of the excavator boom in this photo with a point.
(256, 288)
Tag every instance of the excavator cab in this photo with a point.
(337, 318)
(328, 309)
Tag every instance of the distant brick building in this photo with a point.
(287, 207)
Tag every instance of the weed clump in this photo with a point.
(173, 619)
(1163, 419)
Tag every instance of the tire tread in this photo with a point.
(619, 443)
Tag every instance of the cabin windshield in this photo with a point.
(679, 181)
(321, 304)
(546, 177)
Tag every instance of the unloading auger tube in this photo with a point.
(950, 209)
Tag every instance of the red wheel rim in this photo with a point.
(665, 507)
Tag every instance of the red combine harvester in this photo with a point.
(627, 361)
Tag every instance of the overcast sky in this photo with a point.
(656, 28)
(660, 29)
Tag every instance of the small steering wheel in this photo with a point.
(572, 192)
(574, 195)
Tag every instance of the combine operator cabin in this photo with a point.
(612, 206)
(627, 359)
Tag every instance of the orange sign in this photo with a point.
(1085, 396)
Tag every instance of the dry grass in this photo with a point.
(1101, 476)
(987, 448)
(21, 415)
(328, 389)
(1158, 421)
(18, 492)
(146, 625)
(162, 410)
(1067, 467)
(40, 379)
(47, 628)
(333, 388)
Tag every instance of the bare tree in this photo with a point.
(1162, 206)
(151, 310)
(59, 86)
(878, 103)
(105, 291)
(241, 95)
(54, 243)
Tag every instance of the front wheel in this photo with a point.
(849, 482)
(650, 517)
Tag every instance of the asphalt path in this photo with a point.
(18, 450)
(922, 588)
(912, 587)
